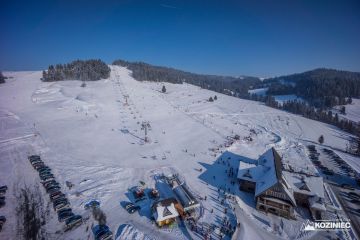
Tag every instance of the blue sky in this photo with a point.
(258, 38)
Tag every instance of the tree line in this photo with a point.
(235, 86)
(322, 88)
(2, 78)
(85, 70)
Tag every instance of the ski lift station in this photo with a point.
(183, 194)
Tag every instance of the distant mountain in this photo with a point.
(236, 86)
(321, 87)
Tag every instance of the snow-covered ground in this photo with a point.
(259, 91)
(92, 137)
(284, 98)
(352, 110)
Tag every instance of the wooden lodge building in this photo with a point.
(280, 192)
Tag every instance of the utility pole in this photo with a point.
(145, 125)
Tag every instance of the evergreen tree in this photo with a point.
(89, 70)
(343, 110)
(215, 98)
(211, 99)
(321, 139)
(163, 89)
(2, 78)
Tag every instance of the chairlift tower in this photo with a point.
(126, 99)
(145, 125)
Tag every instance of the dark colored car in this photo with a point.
(44, 169)
(2, 203)
(64, 210)
(347, 186)
(55, 194)
(102, 232)
(92, 204)
(53, 188)
(46, 177)
(63, 199)
(3, 188)
(354, 195)
(34, 157)
(65, 215)
(49, 183)
(73, 221)
(48, 186)
(57, 197)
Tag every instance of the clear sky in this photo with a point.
(258, 38)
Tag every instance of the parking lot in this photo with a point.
(341, 178)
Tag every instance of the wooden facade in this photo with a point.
(276, 200)
(247, 186)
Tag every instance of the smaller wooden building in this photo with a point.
(165, 211)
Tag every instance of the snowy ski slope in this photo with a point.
(92, 137)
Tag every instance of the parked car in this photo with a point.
(47, 177)
(2, 203)
(34, 160)
(64, 210)
(49, 183)
(354, 195)
(53, 190)
(46, 181)
(347, 186)
(92, 204)
(2, 221)
(33, 157)
(55, 194)
(73, 221)
(44, 168)
(102, 232)
(57, 197)
(355, 201)
(65, 215)
(40, 165)
(60, 200)
(48, 186)
(62, 205)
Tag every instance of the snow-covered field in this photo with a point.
(259, 91)
(352, 110)
(92, 137)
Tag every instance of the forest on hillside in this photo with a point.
(85, 70)
(2, 78)
(223, 84)
(322, 87)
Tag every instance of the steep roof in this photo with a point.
(266, 173)
(165, 209)
(309, 185)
